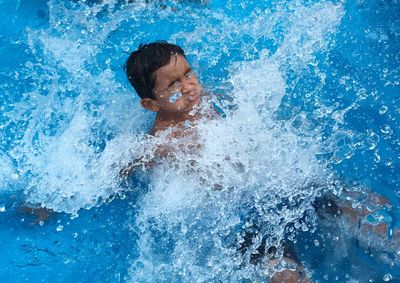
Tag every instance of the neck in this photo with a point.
(174, 118)
(165, 120)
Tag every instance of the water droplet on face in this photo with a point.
(175, 96)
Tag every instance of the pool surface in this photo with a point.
(309, 93)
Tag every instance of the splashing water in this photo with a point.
(292, 102)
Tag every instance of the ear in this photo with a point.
(149, 104)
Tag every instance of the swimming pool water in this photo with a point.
(311, 93)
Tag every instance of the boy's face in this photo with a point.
(176, 89)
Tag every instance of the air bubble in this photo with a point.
(59, 228)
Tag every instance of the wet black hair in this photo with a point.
(147, 59)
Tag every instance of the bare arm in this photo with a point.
(135, 165)
(144, 162)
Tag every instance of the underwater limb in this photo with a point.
(288, 271)
(134, 166)
(367, 217)
(42, 214)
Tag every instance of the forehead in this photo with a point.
(175, 67)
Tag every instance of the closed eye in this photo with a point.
(189, 74)
(172, 83)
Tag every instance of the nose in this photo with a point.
(187, 86)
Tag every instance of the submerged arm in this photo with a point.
(291, 274)
(135, 165)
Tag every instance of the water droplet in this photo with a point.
(41, 223)
(383, 110)
(316, 243)
(2, 208)
(386, 130)
(74, 215)
(59, 228)
(362, 94)
(377, 158)
(387, 277)
(388, 162)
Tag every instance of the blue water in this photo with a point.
(68, 114)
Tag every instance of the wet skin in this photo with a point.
(177, 92)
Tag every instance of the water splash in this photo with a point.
(252, 174)
(74, 122)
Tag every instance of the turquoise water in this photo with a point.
(310, 91)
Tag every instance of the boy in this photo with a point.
(163, 79)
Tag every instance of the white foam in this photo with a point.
(7, 172)
(248, 162)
